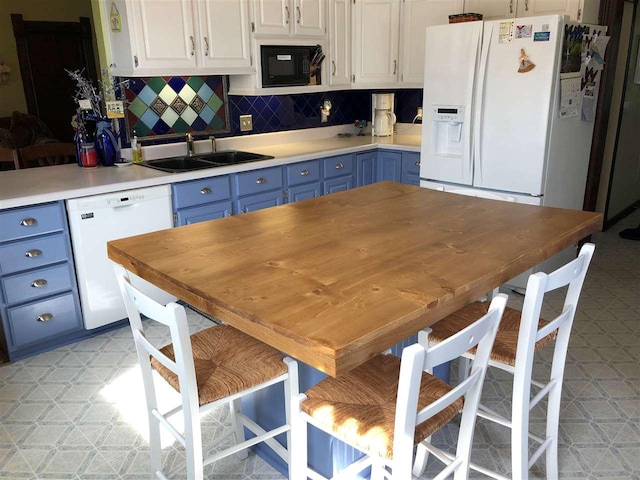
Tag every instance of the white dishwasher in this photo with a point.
(97, 219)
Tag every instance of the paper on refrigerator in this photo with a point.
(570, 95)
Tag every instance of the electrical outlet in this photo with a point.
(246, 123)
(419, 115)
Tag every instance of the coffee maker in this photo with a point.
(382, 113)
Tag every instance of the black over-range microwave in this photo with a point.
(287, 65)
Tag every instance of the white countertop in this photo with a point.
(62, 182)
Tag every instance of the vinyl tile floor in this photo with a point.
(78, 412)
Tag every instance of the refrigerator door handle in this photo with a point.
(477, 144)
(469, 136)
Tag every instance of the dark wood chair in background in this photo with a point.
(47, 154)
(9, 159)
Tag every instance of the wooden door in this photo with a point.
(45, 51)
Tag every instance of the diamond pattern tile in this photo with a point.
(77, 412)
(160, 106)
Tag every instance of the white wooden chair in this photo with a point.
(521, 335)
(388, 405)
(215, 366)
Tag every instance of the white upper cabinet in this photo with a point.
(290, 17)
(164, 34)
(416, 17)
(376, 30)
(224, 34)
(339, 42)
(583, 11)
(180, 37)
(492, 9)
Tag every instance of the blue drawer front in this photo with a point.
(37, 283)
(304, 172)
(257, 181)
(26, 329)
(26, 222)
(197, 192)
(203, 213)
(338, 166)
(33, 253)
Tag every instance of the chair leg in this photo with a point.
(553, 419)
(464, 365)
(298, 445)
(155, 447)
(235, 410)
(422, 457)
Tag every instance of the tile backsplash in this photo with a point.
(160, 106)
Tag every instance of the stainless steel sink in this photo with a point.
(207, 160)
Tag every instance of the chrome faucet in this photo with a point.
(214, 147)
(189, 139)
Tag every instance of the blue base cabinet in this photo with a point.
(366, 168)
(39, 302)
(389, 166)
(200, 200)
(303, 180)
(411, 168)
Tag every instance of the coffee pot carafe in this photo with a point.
(382, 105)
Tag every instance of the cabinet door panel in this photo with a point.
(389, 166)
(340, 42)
(164, 33)
(366, 168)
(272, 17)
(258, 202)
(375, 46)
(203, 213)
(532, 8)
(339, 184)
(309, 17)
(411, 168)
(417, 16)
(492, 9)
(224, 34)
(304, 192)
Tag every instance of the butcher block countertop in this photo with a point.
(334, 280)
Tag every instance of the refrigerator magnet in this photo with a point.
(506, 32)
(541, 36)
(526, 65)
(524, 31)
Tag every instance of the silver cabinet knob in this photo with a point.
(304, 173)
(418, 163)
(28, 222)
(339, 166)
(261, 180)
(45, 317)
(41, 282)
(205, 191)
(33, 253)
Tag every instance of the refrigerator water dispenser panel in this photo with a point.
(448, 121)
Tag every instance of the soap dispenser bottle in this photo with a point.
(136, 149)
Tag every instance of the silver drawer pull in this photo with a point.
(45, 317)
(304, 173)
(33, 253)
(205, 191)
(41, 282)
(340, 165)
(28, 222)
(261, 180)
(418, 163)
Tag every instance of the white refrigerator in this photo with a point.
(496, 127)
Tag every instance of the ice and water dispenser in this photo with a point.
(446, 130)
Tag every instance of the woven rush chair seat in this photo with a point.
(360, 406)
(506, 343)
(226, 362)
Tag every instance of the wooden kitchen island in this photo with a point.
(332, 281)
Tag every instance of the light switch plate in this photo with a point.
(246, 123)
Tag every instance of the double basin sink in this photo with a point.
(207, 160)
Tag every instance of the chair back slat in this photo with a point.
(47, 154)
(154, 352)
(9, 157)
